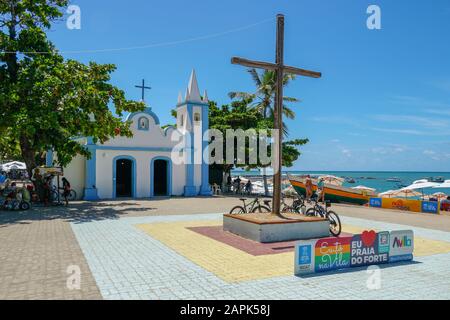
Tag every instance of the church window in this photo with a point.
(143, 123)
(197, 117)
(182, 120)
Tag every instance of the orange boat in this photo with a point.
(334, 193)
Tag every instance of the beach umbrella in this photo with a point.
(406, 193)
(439, 195)
(386, 194)
(445, 184)
(363, 188)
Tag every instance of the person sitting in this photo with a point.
(445, 204)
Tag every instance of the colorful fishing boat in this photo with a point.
(334, 193)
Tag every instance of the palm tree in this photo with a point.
(263, 100)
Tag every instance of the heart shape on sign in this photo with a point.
(368, 238)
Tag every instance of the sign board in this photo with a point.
(304, 257)
(402, 204)
(332, 253)
(367, 248)
(370, 248)
(401, 246)
(430, 206)
(375, 202)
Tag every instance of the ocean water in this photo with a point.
(378, 179)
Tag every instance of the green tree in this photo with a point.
(241, 115)
(46, 100)
(263, 101)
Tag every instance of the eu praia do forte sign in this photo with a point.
(367, 248)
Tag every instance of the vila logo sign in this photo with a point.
(403, 242)
(401, 246)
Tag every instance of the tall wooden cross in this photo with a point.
(143, 87)
(280, 69)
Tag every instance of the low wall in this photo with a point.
(406, 205)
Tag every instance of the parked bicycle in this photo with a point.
(321, 211)
(254, 206)
(54, 194)
(299, 205)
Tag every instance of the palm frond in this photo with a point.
(288, 112)
(241, 95)
(255, 76)
(291, 99)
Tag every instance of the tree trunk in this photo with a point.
(266, 187)
(28, 154)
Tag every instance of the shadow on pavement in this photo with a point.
(78, 212)
(356, 269)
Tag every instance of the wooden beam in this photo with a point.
(273, 67)
(254, 64)
(302, 72)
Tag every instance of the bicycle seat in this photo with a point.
(267, 202)
(242, 199)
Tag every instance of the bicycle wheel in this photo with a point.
(72, 195)
(335, 223)
(237, 210)
(311, 212)
(54, 196)
(261, 209)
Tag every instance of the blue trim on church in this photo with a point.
(147, 111)
(205, 189)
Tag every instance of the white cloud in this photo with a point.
(414, 120)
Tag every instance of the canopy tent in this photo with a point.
(14, 165)
(421, 184)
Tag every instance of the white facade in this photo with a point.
(154, 162)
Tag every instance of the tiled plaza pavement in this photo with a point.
(119, 260)
(131, 260)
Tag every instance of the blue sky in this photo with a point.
(383, 102)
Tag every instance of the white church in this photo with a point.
(143, 166)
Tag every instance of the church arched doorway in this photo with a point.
(161, 177)
(124, 178)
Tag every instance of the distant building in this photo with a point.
(144, 166)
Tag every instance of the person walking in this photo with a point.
(66, 190)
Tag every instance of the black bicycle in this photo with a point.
(299, 205)
(320, 211)
(254, 206)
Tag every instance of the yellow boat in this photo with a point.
(334, 193)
